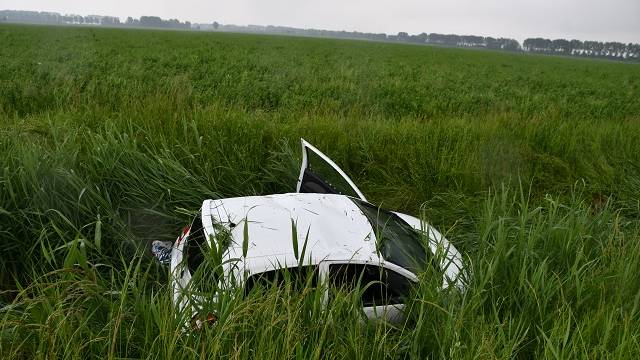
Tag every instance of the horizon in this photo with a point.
(586, 25)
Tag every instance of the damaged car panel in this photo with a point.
(349, 243)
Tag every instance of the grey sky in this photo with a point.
(603, 20)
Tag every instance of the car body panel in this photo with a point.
(335, 229)
(338, 232)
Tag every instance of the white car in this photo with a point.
(346, 238)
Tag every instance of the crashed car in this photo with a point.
(345, 237)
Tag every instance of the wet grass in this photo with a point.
(110, 138)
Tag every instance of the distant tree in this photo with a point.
(414, 39)
(437, 38)
(421, 38)
(171, 23)
(92, 19)
(216, 25)
(537, 45)
(598, 48)
(491, 43)
(509, 44)
(576, 46)
(129, 21)
(151, 21)
(109, 21)
(561, 46)
(591, 48)
(614, 49)
(635, 50)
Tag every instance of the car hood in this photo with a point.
(335, 227)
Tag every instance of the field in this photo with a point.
(111, 138)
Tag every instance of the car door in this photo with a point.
(320, 175)
(382, 288)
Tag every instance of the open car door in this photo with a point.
(321, 175)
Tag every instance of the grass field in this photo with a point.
(110, 139)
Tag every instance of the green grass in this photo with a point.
(111, 138)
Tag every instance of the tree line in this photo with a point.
(42, 17)
(459, 40)
(610, 50)
(614, 50)
(157, 22)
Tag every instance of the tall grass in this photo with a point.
(552, 281)
(111, 139)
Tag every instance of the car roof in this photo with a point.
(336, 227)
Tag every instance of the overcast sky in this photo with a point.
(603, 20)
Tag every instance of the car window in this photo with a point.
(379, 286)
(320, 175)
(298, 277)
(196, 245)
(324, 172)
(398, 242)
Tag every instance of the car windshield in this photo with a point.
(397, 241)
